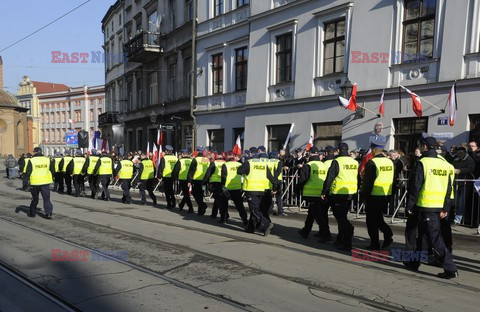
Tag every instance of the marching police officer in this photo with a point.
(429, 199)
(24, 171)
(124, 171)
(58, 183)
(276, 167)
(75, 168)
(90, 165)
(376, 191)
(256, 179)
(104, 169)
(214, 178)
(180, 173)
(196, 173)
(146, 171)
(66, 177)
(165, 169)
(311, 180)
(341, 185)
(232, 182)
(324, 231)
(40, 171)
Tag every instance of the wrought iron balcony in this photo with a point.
(144, 46)
(108, 118)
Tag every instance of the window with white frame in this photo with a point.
(153, 89)
(241, 68)
(283, 56)
(418, 29)
(188, 11)
(334, 47)
(217, 73)
(217, 7)
(216, 140)
(241, 3)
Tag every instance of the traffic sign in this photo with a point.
(71, 138)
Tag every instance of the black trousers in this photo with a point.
(77, 183)
(58, 183)
(197, 192)
(279, 201)
(45, 191)
(323, 218)
(313, 214)
(68, 183)
(221, 200)
(93, 182)
(374, 208)
(430, 236)
(169, 192)
(411, 231)
(266, 204)
(105, 182)
(236, 197)
(147, 185)
(257, 219)
(126, 184)
(186, 196)
(25, 182)
(340, 207)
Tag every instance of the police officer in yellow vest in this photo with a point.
(104, 169)
(40, 171)
(256, 180)
(277, 170)
(340, 186)
(232, 182)
(165, 169)
(430, 189)
(146, 171)
(58, 181)
(89, 167)
(378, 185)
(124, 172)
(324, 230)
(311, 180)
(66, 177)
(180, 173)
(196, 173)
(214, 178)
(75, 169)
(25, 182)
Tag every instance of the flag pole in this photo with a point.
(288, 136)
(440, 109)
(370, 111)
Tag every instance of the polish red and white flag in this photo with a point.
(351, 103)
(310, 143)
(416, 103)
(452, 105)
(381, 110)
(237, 149)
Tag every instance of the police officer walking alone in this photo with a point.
(40, 171)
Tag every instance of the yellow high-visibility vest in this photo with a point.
(78, 163)
(384, 181)
(148, 170)
(217, 174)
(126, 171)
(105, 166)
(233, 181)
(92, 163)
(41, 174)
(346, 181)
(184, 167)
(202, 166)
(57, 163)
(170, 161)
(66, 161)
(256, 180)
(318, 174)
(27, 160)
(435, 185)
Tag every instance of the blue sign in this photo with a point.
(71, 138)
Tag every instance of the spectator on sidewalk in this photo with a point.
(464, 169)
(11, 164)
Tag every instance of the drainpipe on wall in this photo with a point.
(193, 73)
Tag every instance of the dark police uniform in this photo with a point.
(75, 168)
(167, 163)
(180, 173)
(429, 196)
(58, 181)
(124, 171)
(104, 169)
(25, 180)
(232, 181)
(90, 165)
(196, 173)
(40, 171)
(214, 178)
(377, 189)
(66, 177)
(146, 171)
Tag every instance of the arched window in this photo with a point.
(20, 135)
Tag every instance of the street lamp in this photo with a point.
(153, 117)
(346, 89)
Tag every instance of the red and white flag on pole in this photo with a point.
(155, 155)
(160, 143)
(351, 103)
(452, 105)
(148, 149)
(237, 149)
(366, 158)
(416, 103)
(105, 145)
(310, 143)
(381, 110)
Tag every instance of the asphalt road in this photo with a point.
(185, 262)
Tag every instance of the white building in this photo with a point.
(300, 52)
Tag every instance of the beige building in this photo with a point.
(13, 125)
(27, 96)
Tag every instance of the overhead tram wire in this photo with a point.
(34, 32)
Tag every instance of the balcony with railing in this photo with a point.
(144, 46)
(108, 118)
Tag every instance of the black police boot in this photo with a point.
(448, 274)
(302, 233)
(387, 242)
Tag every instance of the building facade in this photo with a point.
(152, 81)
(27, 96)
(13, 125)
(301, 53)
(74, 109)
